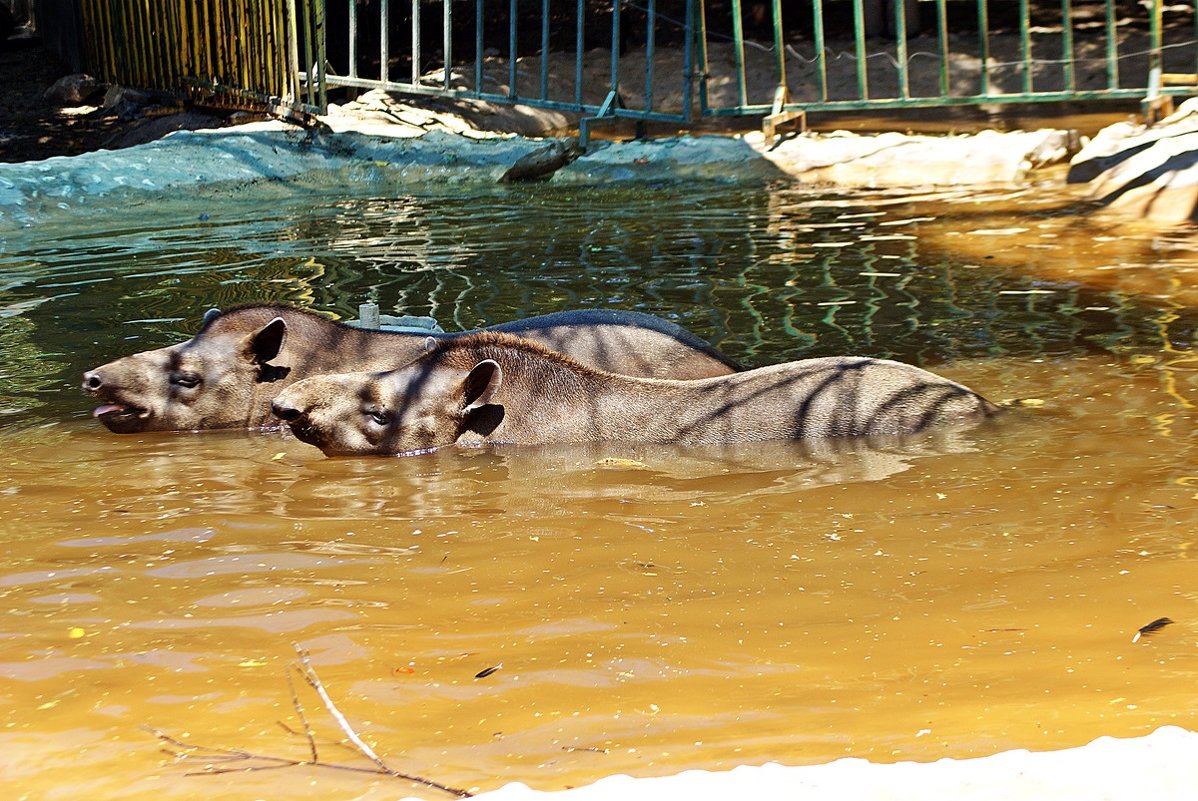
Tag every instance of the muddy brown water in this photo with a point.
(646, 609)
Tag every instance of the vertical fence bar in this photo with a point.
(701, 37)
(615, 45)
(650, 35)
(511, 50)
(322, 85)
(859, 38)
(1025, 46)
(384, 41)
(738, 52)
(779, 45)
(478, 45)
(984, 47)
(688, 61)
(447, 38)
(309, 89)
(293, 50)
(199, 13)
(900, 46)
(1112, 46)
(942, 37)
(353, 37)
(416, 42)
(821, 55)
(544, 49)
(1067, 43)
(1154, 48)
(578, 45)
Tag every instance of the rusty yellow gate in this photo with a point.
(239, 53)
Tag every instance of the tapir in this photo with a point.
(493, 388)
(227, 374)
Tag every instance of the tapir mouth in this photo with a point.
(122, 418)
(305, 433)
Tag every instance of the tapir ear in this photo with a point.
(209, 316)
(481, 384)
(430, 344)
(266, 343)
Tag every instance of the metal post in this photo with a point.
(446, 38)
(544, 49)
(687, 62)
(1067, 43)
(615, 46)
(821, 56)
(478, 45)
(578, 44)
(900, 45)
(384, 41)
(862, 59)
(415, 42)
(353, 38)
(738, 51)
(1025, 46)
(649, 42)
(511, 50)
(942, 36)
(984, 47)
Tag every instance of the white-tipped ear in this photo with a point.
(481, 384)
(267, 342)
(209, 316)
(430, 343)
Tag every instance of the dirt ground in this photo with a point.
(30, 128)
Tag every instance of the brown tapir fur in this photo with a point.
(493, 388)
(227, 375)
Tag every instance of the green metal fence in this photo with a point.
(1039, 52)
(781, 60)
(667, 61)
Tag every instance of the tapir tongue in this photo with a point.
(108, 408)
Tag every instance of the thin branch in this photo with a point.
(314, 682)
(299, 710)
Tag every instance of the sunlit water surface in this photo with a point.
(644, 609)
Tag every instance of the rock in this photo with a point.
(542, 162)
(72, 90)
(126, 103)
(895, 159)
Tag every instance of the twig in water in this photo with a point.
(248, 762)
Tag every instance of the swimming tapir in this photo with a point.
(493, 388)
(227, 375)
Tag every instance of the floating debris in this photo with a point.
(482, 674)
(1155, 625)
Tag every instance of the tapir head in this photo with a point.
(209, 381)
(416, 408)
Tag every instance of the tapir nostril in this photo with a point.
(92, 381)
(284, 412)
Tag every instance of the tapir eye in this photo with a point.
(186, 380)
(379, 416)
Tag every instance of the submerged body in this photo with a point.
(498, 389)
(227, 375)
